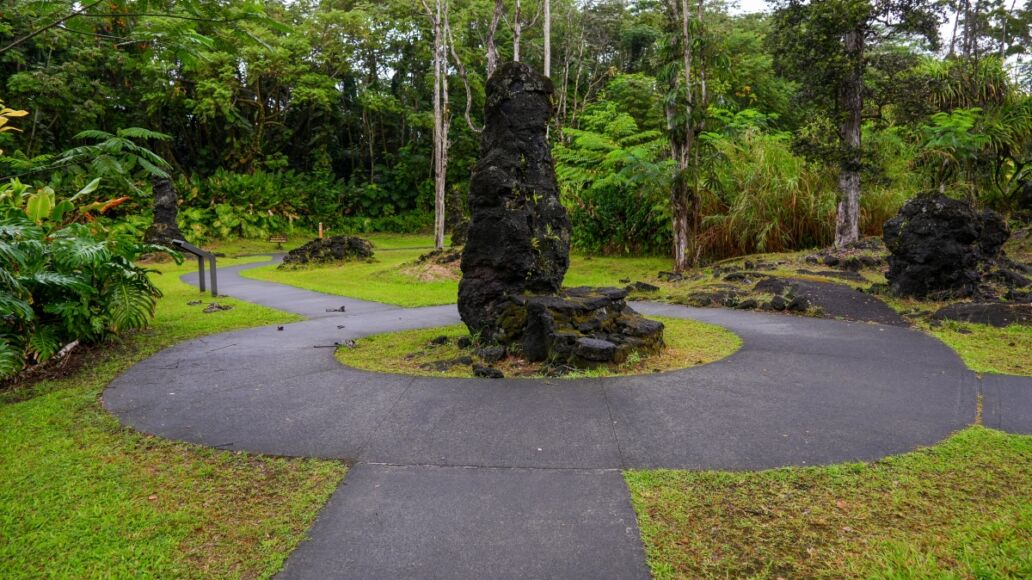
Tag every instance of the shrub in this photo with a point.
(614, 180)
(63, 281)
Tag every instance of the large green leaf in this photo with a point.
(39, 205)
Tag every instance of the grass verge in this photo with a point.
(410, 352)
(987, 349)
(80, 496)
(960, 509)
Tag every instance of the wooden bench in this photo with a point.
(278, 239)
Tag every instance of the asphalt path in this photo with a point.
(520, 478)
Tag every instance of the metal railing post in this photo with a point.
(200, 271)
(201, 255)
(214, 277)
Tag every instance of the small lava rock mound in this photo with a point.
(444, 256)
(997, 314)
(940, 247)
(581, 327)
(329, 250)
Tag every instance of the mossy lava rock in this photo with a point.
(580, 327)
(519, 234)
(329, 250)
(939, 246)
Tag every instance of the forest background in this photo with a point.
(275, 116)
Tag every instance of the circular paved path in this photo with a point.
(459, 478)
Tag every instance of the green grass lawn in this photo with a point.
(960, 509)
(689, 343)
(81, 496)
(987, 349)
(388, 280)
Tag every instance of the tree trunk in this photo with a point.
(440, 161)
(548, 38)
(517, 28)
(684, 204)
(492, 50)
(847, 219)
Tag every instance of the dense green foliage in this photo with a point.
(276, 116)
(63, 281)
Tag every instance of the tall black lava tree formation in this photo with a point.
(519, 244)
(519, 235)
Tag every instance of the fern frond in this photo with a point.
(12, 359)
(43, 343)
(129, 304)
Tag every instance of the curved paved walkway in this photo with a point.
(459, 478)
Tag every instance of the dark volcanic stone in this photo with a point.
(554, 327)
(519, 243)
(595, 349)
(464, 342)
(799, 304)
(643, 287)
(519, 234)
(748, 304)
(329, 250)
(487, 372)
(778, 303)
(998, 314)
(164, 229)
(491, 353)
(938, 244)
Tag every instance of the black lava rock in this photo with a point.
(519, 243)
(491, 353)
(799, 304)
(164, 228)
(519, 234)
(554, 328)
(643, 287)
(464, 342)
(997, 314)
(487, 372)
(329, 250)
(938, 245)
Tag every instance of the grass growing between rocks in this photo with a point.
(960, 509)
(689, 343)
(80, 496)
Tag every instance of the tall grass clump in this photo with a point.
(761, 197)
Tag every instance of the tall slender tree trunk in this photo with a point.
(548, 38)
(492, 49)
(517, 29)
(847, 219)
(683, 127)
(438, 18)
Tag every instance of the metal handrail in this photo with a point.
(201, 255)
